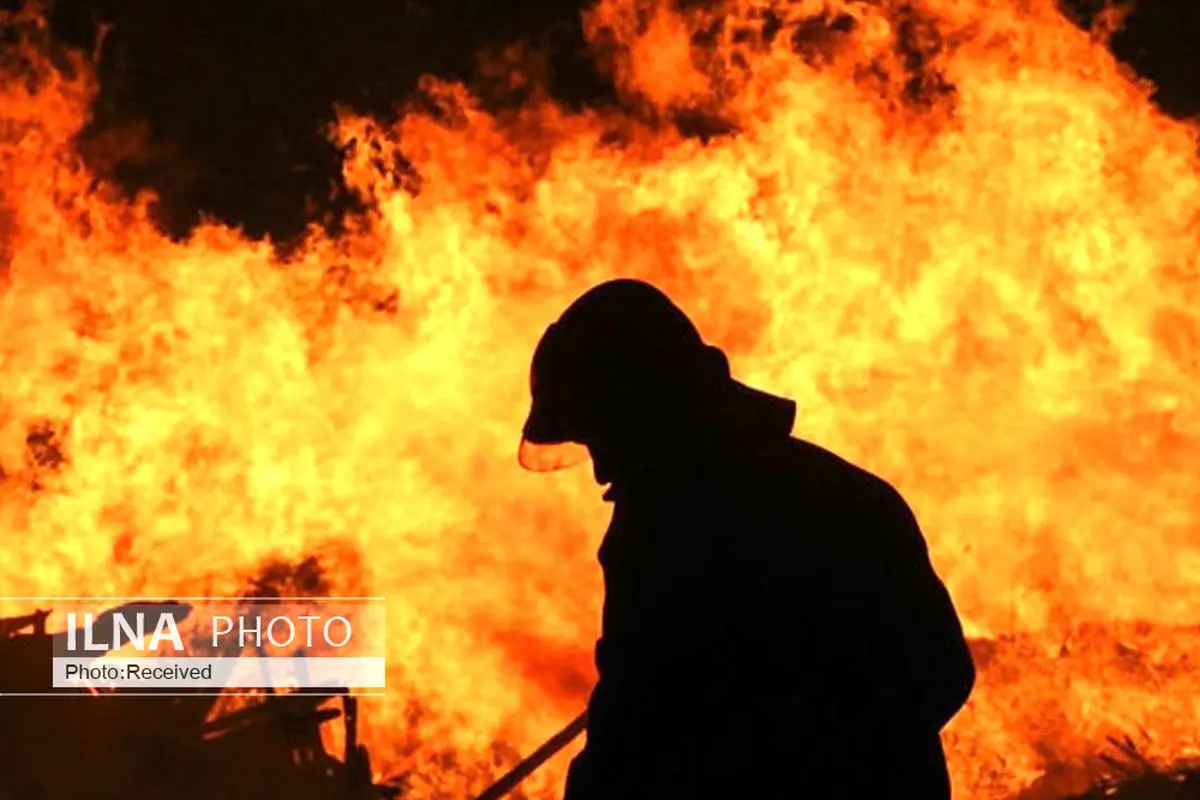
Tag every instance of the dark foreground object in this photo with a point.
(1174, 785)
(535, 760)
(770, 614)
(146, 748)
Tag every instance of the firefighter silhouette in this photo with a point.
(772, 624)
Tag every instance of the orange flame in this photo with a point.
(973, 260)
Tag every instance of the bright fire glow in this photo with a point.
(985, 289)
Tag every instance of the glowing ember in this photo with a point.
(975, 269)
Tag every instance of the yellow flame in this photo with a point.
(978, 278)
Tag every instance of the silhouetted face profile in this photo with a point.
(624, 376)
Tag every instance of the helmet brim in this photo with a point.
(550, 457)
(546, 445)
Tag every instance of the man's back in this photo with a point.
(772, 626)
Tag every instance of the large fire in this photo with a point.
(961, 236)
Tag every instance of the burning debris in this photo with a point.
(120, 746)
(1134, 777)
(280, 578)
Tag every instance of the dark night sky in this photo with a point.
(234, 93)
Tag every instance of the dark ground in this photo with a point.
(233, 96)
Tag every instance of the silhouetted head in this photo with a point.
(624, 374)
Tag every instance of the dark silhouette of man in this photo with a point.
(772, 625)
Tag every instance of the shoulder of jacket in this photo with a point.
(844, 480)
